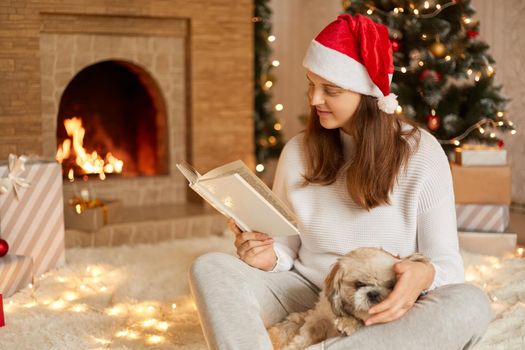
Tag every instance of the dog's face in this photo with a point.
(359, 280)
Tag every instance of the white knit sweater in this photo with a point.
(421, 217)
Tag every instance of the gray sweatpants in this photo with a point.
(236, 303)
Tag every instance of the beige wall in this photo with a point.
(296, 22)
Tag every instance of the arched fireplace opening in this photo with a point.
(112, 119)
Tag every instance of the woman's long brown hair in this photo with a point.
(381, 150)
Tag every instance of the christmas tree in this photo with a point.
(268, 139)
(444, 77)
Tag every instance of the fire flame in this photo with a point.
(90, 162)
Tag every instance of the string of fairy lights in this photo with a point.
(268, 139)
(438, 49)
(149, 322)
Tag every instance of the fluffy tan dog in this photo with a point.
(359, 280)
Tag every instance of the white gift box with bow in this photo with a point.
(32, 210)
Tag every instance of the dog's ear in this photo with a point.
(329, 280)
(333, 288)
(417, 257)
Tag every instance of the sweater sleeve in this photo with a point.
(285, 247)
(436, 223)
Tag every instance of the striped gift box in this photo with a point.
(33, 223)
(16, 272)
(482, 217)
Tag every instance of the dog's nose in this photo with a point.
(373, 296)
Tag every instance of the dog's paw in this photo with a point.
(346, 325)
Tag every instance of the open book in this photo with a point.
(235, 191)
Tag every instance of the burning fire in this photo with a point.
(91, 163)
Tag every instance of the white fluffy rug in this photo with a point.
(138, 298)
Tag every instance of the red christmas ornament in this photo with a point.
(472, 33)
(396, 45)
(433, 122)
(4, 247)
(501, 143)
(429, 74)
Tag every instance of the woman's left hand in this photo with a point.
(412, 278)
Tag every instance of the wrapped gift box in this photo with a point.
(480, 156)
(482, 185)
(2, 319)
(488, 243)
(92, 219)
(32, 217)
(482, 217)
(16, 272)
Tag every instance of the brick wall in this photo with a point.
(219, 80)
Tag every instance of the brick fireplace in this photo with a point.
(194, 57)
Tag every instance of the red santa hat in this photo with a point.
(355, 53)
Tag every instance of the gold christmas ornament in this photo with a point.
(346, 4)
(438, 49)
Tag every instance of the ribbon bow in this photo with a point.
(13, 178)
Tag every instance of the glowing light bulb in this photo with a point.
(268, 84)
(59, 304)
(271, 38)
(123, 333)
(149, 323)
(259, 168)
(277, 126)
(79, 308)
(279, 107)
(70, 296)
(403, 70)
(155, 339)
(520, 251)
(416, 12)
(163, 326)
(276, 63)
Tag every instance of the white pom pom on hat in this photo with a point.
(355, 53)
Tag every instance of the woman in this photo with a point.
(359, 176)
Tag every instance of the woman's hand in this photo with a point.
(413, 277)
(254, 248)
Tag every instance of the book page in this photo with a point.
(238, 167)
(240, 199)
(225, 169)
(189, 172)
